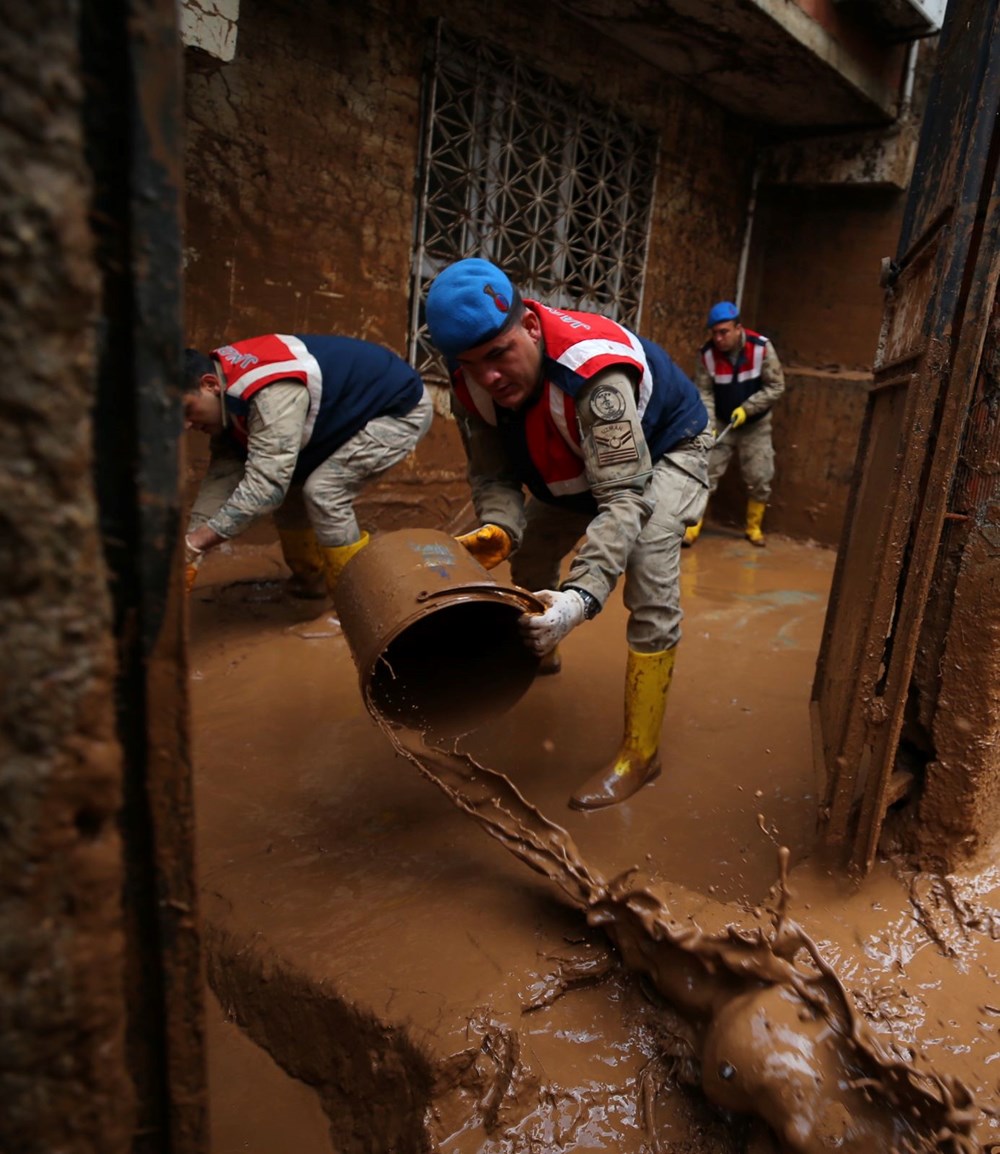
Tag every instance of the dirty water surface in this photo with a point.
(438, 995)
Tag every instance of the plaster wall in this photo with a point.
(816, 427)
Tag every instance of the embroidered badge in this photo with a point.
(607, 404)
(501, 302)
(615, 442)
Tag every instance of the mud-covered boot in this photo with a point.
(647, 679)
(755, 518)
(302, 555)
(691, 533)
(335, 558)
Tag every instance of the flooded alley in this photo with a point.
(426, 984)
(501, 576)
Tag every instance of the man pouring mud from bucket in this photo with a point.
(609, 438)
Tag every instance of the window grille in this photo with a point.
(524, 171)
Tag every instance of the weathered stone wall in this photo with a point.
(302, 187)
(63, 1083)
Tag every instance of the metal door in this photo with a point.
(939, 293)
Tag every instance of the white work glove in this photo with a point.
(542, 632)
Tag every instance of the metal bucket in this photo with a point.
(433, 635)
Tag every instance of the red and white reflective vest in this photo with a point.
(578, 346)
(734, 384)
(251, 364)
(349, 381)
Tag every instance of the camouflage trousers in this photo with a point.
(679, 490)
(756, 453)
(325, 499)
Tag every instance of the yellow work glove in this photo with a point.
(739, 417)
(489, 544)
(192, 559)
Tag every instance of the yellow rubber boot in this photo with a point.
(302, 555)
(647, 679)
(755, 518)
(336, 558)
(692, 531)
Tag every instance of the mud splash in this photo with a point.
(772, 1027)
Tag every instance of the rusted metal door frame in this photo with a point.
(947, 259)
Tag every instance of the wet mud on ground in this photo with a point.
(255, 1106)
(435, 992)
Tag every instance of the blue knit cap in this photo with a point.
(469, 303)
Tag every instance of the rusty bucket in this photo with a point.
(433, 635)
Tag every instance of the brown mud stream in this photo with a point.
(772, 1028)
(437, 997)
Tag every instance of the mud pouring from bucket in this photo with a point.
(433, 635)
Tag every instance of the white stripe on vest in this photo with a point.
(748, 374)
(482, 400)
(578, 354)
(304, 362)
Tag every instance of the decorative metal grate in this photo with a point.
(528, 173)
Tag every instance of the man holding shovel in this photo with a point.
(740, 378)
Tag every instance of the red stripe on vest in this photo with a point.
(251, 357)
(749, 366)
(550, 453)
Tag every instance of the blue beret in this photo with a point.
(723, 311)
(469, 302)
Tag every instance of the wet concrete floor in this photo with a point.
(434, 991)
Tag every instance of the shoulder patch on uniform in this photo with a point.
(606, 403)
(615, 443)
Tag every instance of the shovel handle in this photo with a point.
(725, 432)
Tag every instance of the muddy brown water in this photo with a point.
(336, 881)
